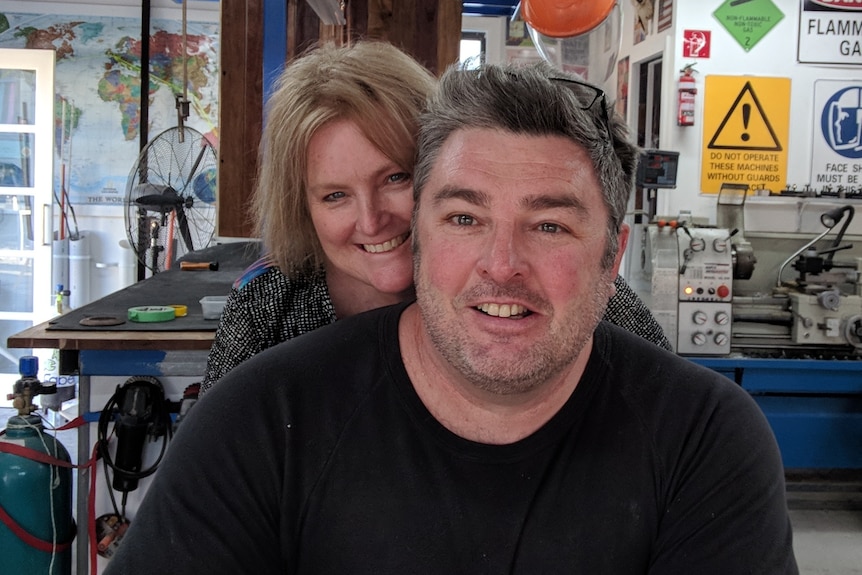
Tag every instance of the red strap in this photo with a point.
(91, 513)
(77, 422)
(41, 457)
(31, 540)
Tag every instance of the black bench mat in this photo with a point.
(170, 287)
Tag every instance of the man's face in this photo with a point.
(511, 230)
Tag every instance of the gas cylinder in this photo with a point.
(36, 525)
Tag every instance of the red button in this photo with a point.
(723, 291)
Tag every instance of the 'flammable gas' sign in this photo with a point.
(830, 32)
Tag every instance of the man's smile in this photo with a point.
(514, 310)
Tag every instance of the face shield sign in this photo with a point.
(836, 158)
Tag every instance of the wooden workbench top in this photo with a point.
(190, 332)
(40, 337)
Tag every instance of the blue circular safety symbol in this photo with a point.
(841, 122)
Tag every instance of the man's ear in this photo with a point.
(622, 242)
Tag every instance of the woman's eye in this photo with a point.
(334, 196)
(463, 220)
(399, 177)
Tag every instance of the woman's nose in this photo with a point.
(373, 215)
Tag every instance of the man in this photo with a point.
(496, 425)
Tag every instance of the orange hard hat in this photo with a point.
(565, 18)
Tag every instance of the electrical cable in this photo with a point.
(161, 419)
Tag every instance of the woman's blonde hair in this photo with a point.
(375, 85)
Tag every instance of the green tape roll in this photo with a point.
(151, 313)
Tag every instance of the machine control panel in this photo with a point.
(691, 286)
(704, 328)
(705, 291)
(706, 265)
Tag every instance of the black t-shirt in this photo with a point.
(317, 456)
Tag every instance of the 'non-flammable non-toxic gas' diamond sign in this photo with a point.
(748, 21)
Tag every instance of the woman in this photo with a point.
(333, 203)
(333, 199)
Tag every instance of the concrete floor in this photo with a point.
(827, 541)
(825, 511)
(826, 514)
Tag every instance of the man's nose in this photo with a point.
(504, 255)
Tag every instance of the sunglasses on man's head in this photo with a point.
(593, 94)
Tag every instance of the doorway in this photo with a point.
(26, 185)
(649, 103)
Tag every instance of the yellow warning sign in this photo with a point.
(745, 130)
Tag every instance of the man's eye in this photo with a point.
(550, 228)
(463, 220)
(334, 196)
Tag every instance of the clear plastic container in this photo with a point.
(212, 306)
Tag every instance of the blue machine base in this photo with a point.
(813, 406)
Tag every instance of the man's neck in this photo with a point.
(471, 412)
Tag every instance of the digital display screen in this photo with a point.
(657, 169)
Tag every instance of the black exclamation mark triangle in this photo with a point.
(746, 111)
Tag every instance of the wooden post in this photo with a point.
(429, 30)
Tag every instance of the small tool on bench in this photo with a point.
(192, 266)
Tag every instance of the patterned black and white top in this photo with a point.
(265, 308)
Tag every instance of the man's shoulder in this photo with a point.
(644, 370)
(624, 348)
(667, 391)
(344, 341)
(321, 375)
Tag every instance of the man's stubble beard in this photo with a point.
(540, 362)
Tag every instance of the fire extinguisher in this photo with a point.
(687, 92)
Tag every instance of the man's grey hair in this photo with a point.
(534, 100)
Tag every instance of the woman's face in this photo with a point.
(360, 204)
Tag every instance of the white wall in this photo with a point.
(494, 28)
(773, 56)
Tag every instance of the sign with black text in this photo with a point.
(830, 32)
(836, 155)
(746, 123)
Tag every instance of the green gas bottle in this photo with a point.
(36, 525)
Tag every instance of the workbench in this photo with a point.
(173, 351)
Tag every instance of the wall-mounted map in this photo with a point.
(98, 90)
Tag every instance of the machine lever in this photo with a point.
(686, 256)
(832, 250)
(829, 219)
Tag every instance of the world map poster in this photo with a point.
(98, 107)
